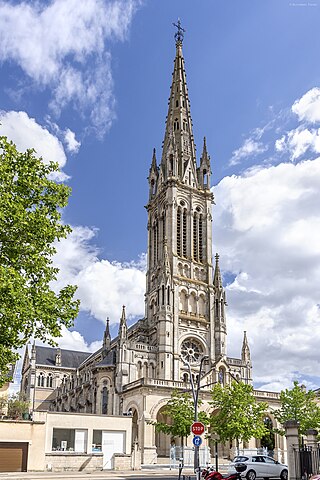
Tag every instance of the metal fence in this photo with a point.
(307, 461)
(185, 456)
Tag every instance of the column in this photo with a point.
(292, 436)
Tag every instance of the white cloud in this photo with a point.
(75, 341)
(298, 141)
(26, 133)
(267, 229)
(72, 143)
(250, 147)
(103, 286)
(308, 106)
(62, 46)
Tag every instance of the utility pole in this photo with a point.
(195, 388)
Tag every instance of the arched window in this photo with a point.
(195, 237)
(41, 379)
(163, 225)
(183, 301)
(184, 232)
(49, 380)
(221, 376)
(168, 295)
(176, 124)
(192, 304)
(179, 232)
(104, 400)
(202, 305)
(200, 240)
(171, 164)
(177, 103)
(153, 186)
(162, 289)
(185, 377)
(205, 178)
(155, 241)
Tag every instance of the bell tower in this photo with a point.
(181, 308)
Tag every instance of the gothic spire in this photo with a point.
(204, 170)
(217, 281)
(107, 336)
(123, 324)
(181, 160)
(245, 354)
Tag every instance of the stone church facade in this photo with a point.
(185, 305)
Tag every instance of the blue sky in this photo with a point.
(87, 84)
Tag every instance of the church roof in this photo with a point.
(108, 360)
(69, 358)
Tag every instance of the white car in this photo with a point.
(260, 466)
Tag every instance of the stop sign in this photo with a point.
(197, 428)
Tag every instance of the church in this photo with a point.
(185, 304)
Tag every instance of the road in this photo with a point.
(105, 475)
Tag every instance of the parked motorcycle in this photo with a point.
(211, 474)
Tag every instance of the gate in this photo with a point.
(307, 461)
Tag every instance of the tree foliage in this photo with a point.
(300, 405)
(180, 409)
(30, 224)
(237, 415)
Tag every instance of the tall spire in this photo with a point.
(179, 155)
(205, 168)
(106, 337)
(123, 324)
(217, 281)
(245, 354)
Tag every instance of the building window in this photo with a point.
(184, 233)
(104, 399)
(97, 441)
(41, 379)
(200, 239)
(49, 380)
(179, 232)
(69, 440)
(195, 237)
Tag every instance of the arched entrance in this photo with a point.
(135, 429)
(268, 440)
(163, 442)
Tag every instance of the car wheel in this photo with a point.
(284, 475)
(251, 475)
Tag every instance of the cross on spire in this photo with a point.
(180, 31)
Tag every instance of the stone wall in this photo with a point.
(67, 461)
(121, 462)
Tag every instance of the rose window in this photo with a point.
(191, 350)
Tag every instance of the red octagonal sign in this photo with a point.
(197, 428)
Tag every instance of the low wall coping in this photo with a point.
(73, 454)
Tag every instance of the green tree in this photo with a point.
(30, 224)
(237, 415)
(298, 404)
(17, 405)
(180, 409)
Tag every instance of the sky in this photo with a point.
(86, 83)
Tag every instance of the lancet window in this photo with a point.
(182, 232)
(198, 237)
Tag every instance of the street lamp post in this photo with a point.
(195, 388)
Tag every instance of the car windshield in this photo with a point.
(240, 459)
